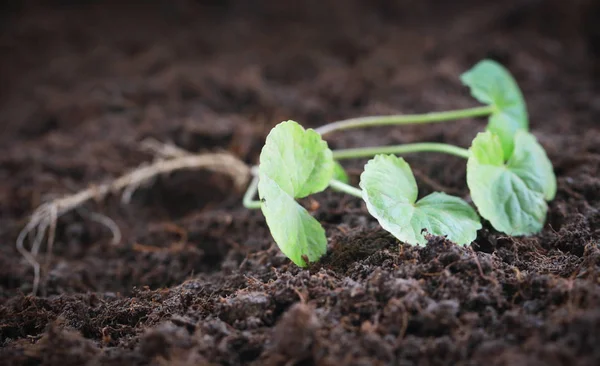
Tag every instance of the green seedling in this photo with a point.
(294, 163)
(509, 176)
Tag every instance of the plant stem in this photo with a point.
(346, 188)
(248, 202)
(405, 119)
(364, 152)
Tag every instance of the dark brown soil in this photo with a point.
(196, 279)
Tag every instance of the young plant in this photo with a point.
(502, 199)
(294, 163)
(508, 174)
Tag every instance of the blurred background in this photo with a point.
(65, 61)
(83, 82)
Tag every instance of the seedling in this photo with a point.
(294, 163)
(509, 176)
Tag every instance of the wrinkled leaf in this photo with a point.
(390, 191)
(492, 84)
(294, 163)
(339, 173)
(511, 196)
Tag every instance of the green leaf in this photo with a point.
(298, 160)
(294, 163)
(295, 231)
(492, 84)
(390, 191)
(339, 173)
(530, 162)
(511, 196)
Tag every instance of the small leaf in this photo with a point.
(295, 231)
(511, 196)
(297, 159)
(390, 191)
(388, 176)
(294, 163)
(339, 173)
(492, 84)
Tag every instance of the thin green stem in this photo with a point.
(365, 152)
(346, 188)
(405, 119)
(248, 201)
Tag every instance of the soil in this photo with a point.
(196, 278)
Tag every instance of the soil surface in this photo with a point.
(196, 279)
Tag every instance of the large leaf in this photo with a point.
(511, 196)
(294, 163)
(390, 191)
(492, 84)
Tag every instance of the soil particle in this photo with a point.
(59, 345)
(294, 335)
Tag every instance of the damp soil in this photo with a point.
(196, 279)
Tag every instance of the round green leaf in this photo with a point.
(297, 234)
(492, 84)
(298, 160)
(511, 196)
(294, 163)
(390, 191)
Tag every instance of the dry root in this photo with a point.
(169, 158)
